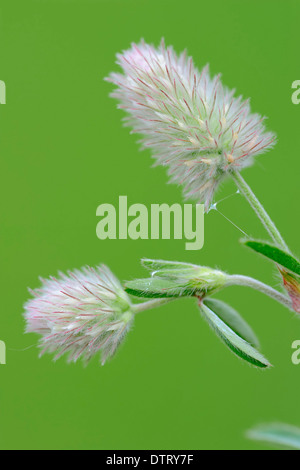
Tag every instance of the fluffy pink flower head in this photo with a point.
(193, 124)
(81, 313)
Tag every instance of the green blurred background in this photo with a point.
(173, 385)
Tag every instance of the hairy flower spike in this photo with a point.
(192, 123)
(81, 313)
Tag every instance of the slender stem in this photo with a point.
(239, 280)
(137, 308)
(259, 209)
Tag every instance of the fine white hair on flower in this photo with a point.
(81, 313)
(193, 124)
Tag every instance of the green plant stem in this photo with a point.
(259, 210)
(137, 308)
(239, 280)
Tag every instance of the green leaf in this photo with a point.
(282, 434)
(232, 319)
(274, 253)
(170, 269)
(154, 287)
(157, 265)
(236, 344)
(173, 279)
(193, 279)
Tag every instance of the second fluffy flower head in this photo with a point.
(80, 314)
(192, 123)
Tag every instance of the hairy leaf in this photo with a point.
(154, 287)
(170, 269)
(282, 434)
(236, 344)
(156, 265)
(232, 319)
(274, 253)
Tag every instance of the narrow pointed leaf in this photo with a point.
(275, 254)
(235, 343)
(154, 287)
(281, 434)
(232, 319)
(157, 265)
(171, 269)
